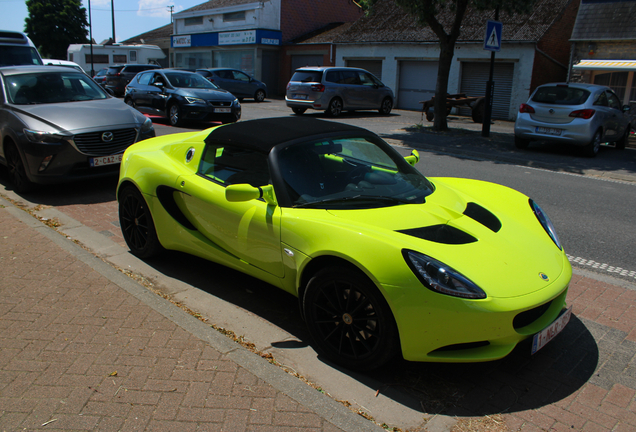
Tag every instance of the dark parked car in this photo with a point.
(57, 124)
(118, 77)
(337, 89)
(100, 76)
(236, 82)
(180, 95)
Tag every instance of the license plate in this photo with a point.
(550, 332)
(223, 110)
(300, 96)
(105, 160)
(548, 131)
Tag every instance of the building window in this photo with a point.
(193, 60)
(119, 58)
(242, 60)
(234, 16)
(97, 58)
(132, 55)
(194, 21)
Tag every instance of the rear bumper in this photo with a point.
(578, 132)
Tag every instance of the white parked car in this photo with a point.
(586, 115)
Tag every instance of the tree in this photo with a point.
(428, 13)
(53, 25)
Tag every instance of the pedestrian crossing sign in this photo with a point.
(492, 40)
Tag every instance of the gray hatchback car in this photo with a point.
(585, 115)
(337, 89)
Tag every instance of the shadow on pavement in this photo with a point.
(518, 382)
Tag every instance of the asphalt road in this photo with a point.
(590, 201)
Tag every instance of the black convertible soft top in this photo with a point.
(263, 134)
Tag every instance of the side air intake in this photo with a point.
(483, 216)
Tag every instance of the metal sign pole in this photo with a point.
(492, 42)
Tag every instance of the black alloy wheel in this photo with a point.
(17, 170)
(386, 107)
(335, 107)
(349, 320)
(137, 225)
(592, 149)
(174, 115)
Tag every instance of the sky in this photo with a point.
(132, 17)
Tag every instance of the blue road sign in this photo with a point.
(492, 40)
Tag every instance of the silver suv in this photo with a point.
(337, 89)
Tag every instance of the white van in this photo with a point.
(56, 62)
(17, 49)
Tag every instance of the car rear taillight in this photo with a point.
(318, 87)
(525, 108)
(584, 113)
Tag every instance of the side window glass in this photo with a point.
(350, 77)
(233, 165)
(366, 79)
(333, 77)
(241, 76)
(144, 78)
(601, 100)
(613, 100)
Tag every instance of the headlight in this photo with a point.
(546, 223)
(147, 126)
(441, 278)
(237, 103)
(193, 100)
(43, 137)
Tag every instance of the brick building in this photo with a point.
(604, 46)
(250, 35)
(535, 49)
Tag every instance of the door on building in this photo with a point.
(298, 61)
(417, 83)
(474, 78)
(373, 66)
(269, 71)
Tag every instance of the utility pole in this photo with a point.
(112, 11)
(171, 7)
(90, 27)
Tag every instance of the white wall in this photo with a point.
(521, 54)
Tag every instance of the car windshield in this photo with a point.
(561, 95)
(188, 80)
(52, 87)
(352, 172)
(18, 55)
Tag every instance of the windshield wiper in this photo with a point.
(360, 198)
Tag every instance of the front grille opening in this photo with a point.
(462, 346)
(528, 317)
(93, 144)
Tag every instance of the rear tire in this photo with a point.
(259, 96)
(335, 107)
(130, 103)
(17, 170)
(386, 107)
(137, 225)
(299, 111)
(349, 319)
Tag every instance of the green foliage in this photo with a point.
(53, 25)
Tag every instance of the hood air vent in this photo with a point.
(483, 216)
(445, 234)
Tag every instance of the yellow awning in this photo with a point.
(623, 65)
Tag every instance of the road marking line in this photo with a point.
(600, 266)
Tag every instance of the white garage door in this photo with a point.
(373, 66)
(474, 78)
(417, 83)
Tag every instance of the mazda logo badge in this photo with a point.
(107, 136)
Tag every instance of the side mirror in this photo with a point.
(413, 158)
(245, 192)
(158, 84)
(626, 108)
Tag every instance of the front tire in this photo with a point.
(386, 107)
(349, 320)
(259, 96)
(174, 115)
(335, 107)
(17, 170)
(137, 225)
(622, 143)
(592, 149)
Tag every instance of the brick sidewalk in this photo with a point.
(85, 348)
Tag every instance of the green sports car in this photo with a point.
(383, 260)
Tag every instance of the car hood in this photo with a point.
(208, 94)
(78, 116)
(506, 260)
